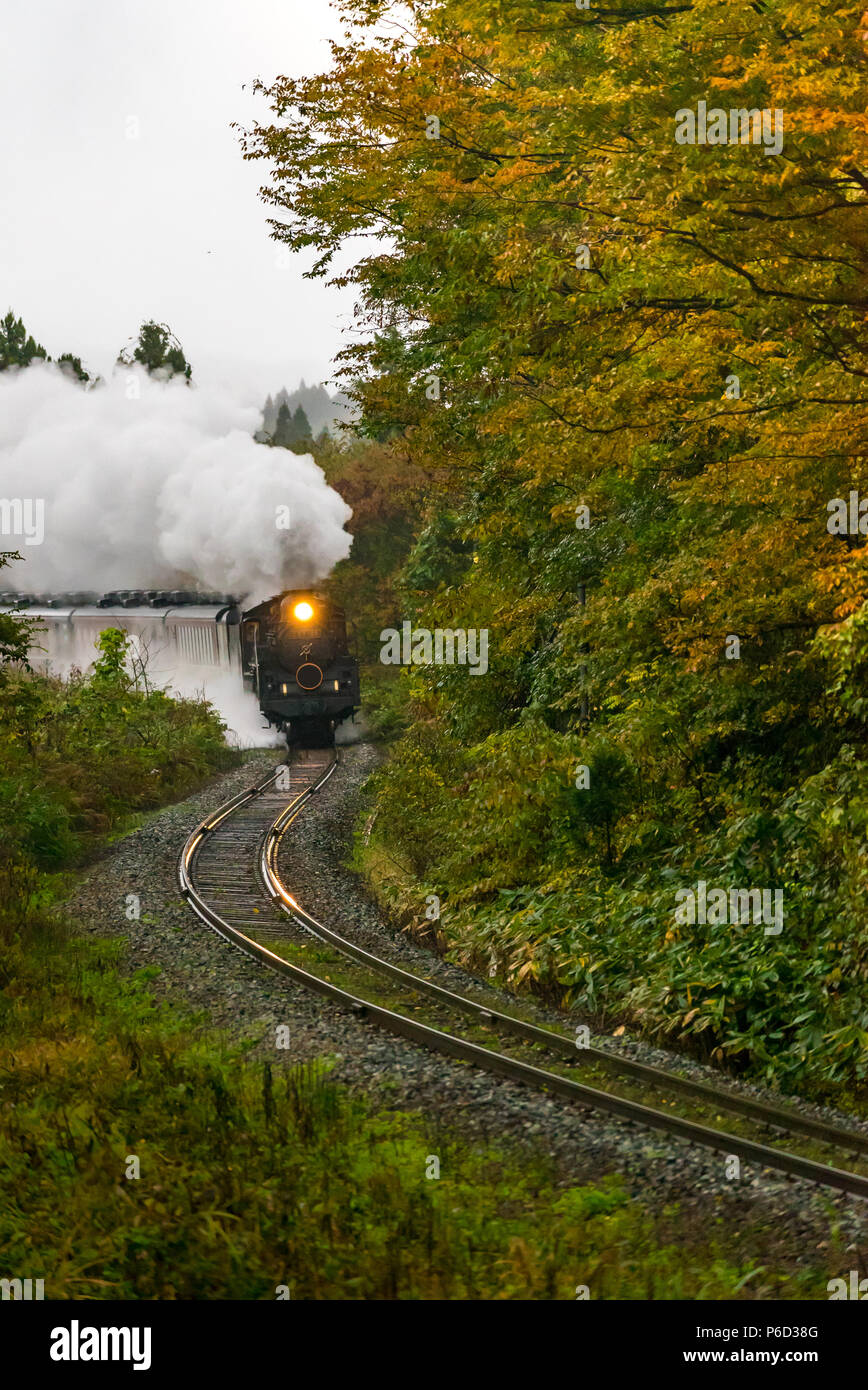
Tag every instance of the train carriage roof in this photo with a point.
(122, 603)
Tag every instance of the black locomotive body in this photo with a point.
(295, 658)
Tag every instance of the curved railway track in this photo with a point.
(229, 875)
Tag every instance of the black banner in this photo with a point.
(155, 1339)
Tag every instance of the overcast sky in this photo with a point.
(99, 230)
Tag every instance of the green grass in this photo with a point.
(256, 1175)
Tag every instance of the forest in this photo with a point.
(612, 410)
(581, 912)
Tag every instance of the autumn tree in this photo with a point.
(636, 366)
(576, 308)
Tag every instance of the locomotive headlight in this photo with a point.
(303, 612)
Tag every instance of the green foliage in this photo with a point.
(384, 701)
(18, 349)
(79, 756)
(575, 896)
(71, 366)
(440, 555)
(524, 380)
(301, 425)
(292, 430)
(109, 671)
(251, 1176)
(16, 633)
(158, 351)
(254, 1176)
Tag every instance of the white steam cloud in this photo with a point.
(150, 484)
(146, 484)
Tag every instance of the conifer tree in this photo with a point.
(17, 347)
(158, 351)
(300, 426)
(284, 430)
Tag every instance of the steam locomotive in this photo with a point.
(291, 651)
(295, 658)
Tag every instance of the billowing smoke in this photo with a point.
(144, 484)
(154, 485)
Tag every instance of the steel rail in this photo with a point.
(776, 1117)
(487, 1059)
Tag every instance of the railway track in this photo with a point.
(229, 874)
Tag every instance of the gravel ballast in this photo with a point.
(199, 971)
